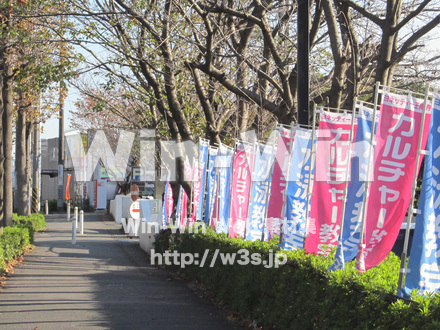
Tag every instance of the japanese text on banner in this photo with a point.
(424, 259)
(279, 182)
(264, 158)
(394, 164)
(330, 175)
(224, 188)
(241, 186)
(295, 220)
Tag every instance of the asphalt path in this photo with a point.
(104, 281)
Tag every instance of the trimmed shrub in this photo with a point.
(14, 240)
(2, 258)
(300, 294)
(35, 220)
(53, 205)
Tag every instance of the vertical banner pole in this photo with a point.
(266, 210)
(347, 170)
(411, 209)
(230, 191)
(289, 161)
(202, 178)
(252, 174)
(370, 156)
(179, 208)
(219, 184)
(312, 164)
(208, 175)
(256, 149)
(213, 198)
(190, 203)
(217, 223)
(232, 179)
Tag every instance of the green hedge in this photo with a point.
(302, 294)
(53, 205)
(14, 240)
(35, 220)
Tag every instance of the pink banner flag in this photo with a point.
(395, 160)
(360, 259)
(169, 202)
(279, 182)
(183, 196)
(195, 196)
(199, 176)
(328, 188)
(214, 217)
(191, 174)
(183, 217)
(241, 187)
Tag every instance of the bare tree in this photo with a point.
(403, 25)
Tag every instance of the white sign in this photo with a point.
(135, 210)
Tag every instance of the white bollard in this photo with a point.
(46, 205)
(68, 211)
(74, 231)
(75, 213)
(81, 217)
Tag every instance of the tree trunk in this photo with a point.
(7, 145)
(337, 45)
(211, 132)
(388, 43)
(2, 171)
(22, 193)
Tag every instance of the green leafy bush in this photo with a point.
(2, 258)
(52, 205)
(35, 220)
(14, 240)
(301, 294)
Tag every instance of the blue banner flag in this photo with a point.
(298, 180)
(203, 159)
(262, 176)
(210, 184)
(179, 207)
(348, 246)
(423, 265)
(224, 163)
(165, 214)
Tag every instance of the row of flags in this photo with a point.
(347, 184)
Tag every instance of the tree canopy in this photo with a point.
(209, 69)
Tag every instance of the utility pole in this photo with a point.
(36, 170)
(60, 202)
(303, 26)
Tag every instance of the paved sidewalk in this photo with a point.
(104, 281)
